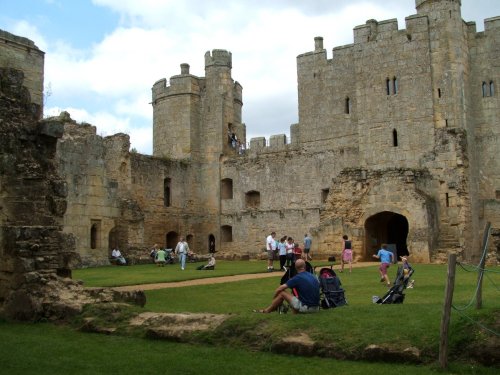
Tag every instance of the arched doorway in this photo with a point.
(386, 227)
(211, 243)
(171, 240)
(113, 239)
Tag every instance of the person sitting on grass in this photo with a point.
(117, 257)
(307, 287)
(210, 265)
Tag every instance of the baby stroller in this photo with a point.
(169, 256)
(395, 294)
(332, 293)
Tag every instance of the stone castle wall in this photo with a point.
(395, 143)
(22, 54)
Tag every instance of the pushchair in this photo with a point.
(169, 256)
(332, 293)
(395, 293)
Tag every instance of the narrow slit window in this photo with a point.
(439, 93)
(447, 197)
(167, 192)
(388, 86)
(485, 91)
(395, 138)
(347, 105)
(492, 88)
(394, 86)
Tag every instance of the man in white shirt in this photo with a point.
(117, 255)
(271, 249)
(181, 250)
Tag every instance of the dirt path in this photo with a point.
(218, 280)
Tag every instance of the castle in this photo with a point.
(396, 143)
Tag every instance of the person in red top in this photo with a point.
(297, 252)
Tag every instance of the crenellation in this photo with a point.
(396, 141)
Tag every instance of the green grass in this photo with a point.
(110, 276)
(48, 349)
(416, 322)
(347, 329)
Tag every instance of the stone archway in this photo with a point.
(171, 240)
(386, 227)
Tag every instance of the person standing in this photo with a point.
(289, 246)
(307, 247)
(386, 258)
(271, 249)
(181, 250)
(282, 253)
(347, 253)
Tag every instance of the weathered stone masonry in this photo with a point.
(397, 142)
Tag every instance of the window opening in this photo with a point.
(395, 138)
(166, 192)
(347, 105)
(227, 188)
(394, 85)
(492, 88)
(324, 195)
(439, 93)
(388, 86)
(227, 233)
(484, 87)
(252, 199)
(447, 200)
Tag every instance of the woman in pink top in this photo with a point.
(346, 253)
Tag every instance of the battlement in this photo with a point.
(218, 57)
(184, 83)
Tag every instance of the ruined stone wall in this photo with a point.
(94, 175)
(33, 247)
(22, 54)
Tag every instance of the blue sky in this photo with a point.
(103, 56)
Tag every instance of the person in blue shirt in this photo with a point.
(386, 258)
(307, 287)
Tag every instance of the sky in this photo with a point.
(103, 56)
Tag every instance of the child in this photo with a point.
(297, 252)
(347, 253)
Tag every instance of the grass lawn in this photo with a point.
(48, 349)
(150, 273)
(350, 328)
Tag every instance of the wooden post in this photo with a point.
(445, 319)
(480, 274)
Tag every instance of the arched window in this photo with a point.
(395, 138)
(95, 234)
(394, 85)
(347, 105)
(388, 86)
(485, 89)
(167, 192)
(492, 88)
